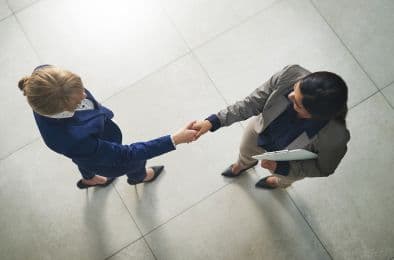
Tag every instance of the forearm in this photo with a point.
(251, 105)
(106, 153)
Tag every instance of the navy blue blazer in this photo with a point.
(94, 142)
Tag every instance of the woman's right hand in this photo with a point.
(202, 127)
(185, 134)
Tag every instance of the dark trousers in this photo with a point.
(136, 172)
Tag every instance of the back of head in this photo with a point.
(51, 90)
(325, 95)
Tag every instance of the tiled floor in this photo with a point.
(159, 64)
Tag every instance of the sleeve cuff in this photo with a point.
(214, 120)
(282, 168)
(173, 142)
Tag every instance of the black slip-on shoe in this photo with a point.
(229, 173)
(157, 170)
(262, 184)
(82, 185)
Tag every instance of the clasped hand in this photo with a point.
(191, 132)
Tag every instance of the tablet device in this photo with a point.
(286, 155)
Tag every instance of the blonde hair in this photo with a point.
(51, 90)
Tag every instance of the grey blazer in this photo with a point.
(268, 101)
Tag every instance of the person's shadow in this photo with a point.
(96, 221)
(275, 207)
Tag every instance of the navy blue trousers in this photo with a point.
(136, 171)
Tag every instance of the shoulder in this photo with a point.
(293, 72)
(334, 134)
(288, 76)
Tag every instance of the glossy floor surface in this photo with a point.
(159, 64)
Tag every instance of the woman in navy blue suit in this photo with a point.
(74, 124)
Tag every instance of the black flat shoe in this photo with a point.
(82, 185)
(229, 173)
(157, 170)
(262, 184)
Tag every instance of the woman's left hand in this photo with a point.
(269, 165)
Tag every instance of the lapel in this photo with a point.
(300, 142)
(274, 107)
(276, 104)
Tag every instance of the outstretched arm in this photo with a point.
(107, 153)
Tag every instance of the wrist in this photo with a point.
(214, 122)
(175, 139)
(208, 124)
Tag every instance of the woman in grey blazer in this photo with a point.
(294, 109)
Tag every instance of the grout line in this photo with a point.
(40, 61)
(387, 100)
(210, 79)
(167, 221)
(19, 148)
(25, 7)
(388, 85)
(117, 251)
(193, 54)
(241, 22)
(364, 99)
(161, 68)
(139, 229)
(175, 27)
(6, 17)
(351, 54)
(309, 225)
(188, 208)
(343, 43)
(151, 250)
(27, 38)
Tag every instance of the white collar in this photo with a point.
(85, 104)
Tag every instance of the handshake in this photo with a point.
(191, 132)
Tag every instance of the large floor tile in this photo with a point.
(4, 9)
(45, 216)
(111, 44)
(366, 27)
(389, 94)
(139, 250)
(200, 20)
(238, 222)
(160, 105)
(351, 211)
(289, 32)
(17, 59)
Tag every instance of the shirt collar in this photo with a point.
(86, 104)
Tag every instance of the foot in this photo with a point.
(235, 170)
(272, 181)
(268, 183)
(149, 174)
(95, 180)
